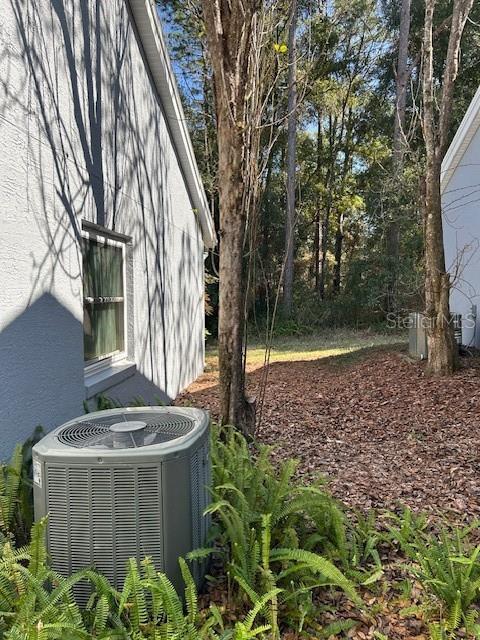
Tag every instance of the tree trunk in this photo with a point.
(399, 144)
(318, 207)
(291, 164)
(229, 31)
(323, 243)
(442, 349)
(231, 277)
(325, 219)
(316, 245)
(337, 269)
(347, 152)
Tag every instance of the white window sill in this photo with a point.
(98, 381)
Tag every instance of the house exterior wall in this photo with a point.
(84, 137)
(461, 227)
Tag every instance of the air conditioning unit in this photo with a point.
(124, 483)
(417, 338)
(457, 328)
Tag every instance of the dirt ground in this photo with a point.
(371, 422)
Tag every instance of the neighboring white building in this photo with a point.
(461, 220)
(103, 217)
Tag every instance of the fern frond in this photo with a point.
(10, 476)
(455, 613)
(253, 613)
(37, 548)
(102, 611)
(338, 627)
(266, 539)
(320, 565)
(191, 598)
(133, 594)
(172, 604)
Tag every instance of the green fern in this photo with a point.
(191, 598)
(455, 613)
(338, 627)
(449, 569)
(10, 476)
(262, 512)
(132, 595)
(102, 610)
(329, 572)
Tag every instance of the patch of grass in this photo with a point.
(327, 344)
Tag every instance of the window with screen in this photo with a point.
(103, 298)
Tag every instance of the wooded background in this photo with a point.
(357, 224)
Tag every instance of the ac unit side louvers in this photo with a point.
(125, 483)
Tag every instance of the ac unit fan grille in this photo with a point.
(97, 433)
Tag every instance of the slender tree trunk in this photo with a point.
(316, 246)
(265, 246)
(324, 237)
(442, 349)
(325, 222)
(229, 30)
(440, 336)
(231, 275)
(399, 144)
(337, 269)
(347, 153)
(291, 163)
(318, 208)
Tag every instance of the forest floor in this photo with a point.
(356, 409)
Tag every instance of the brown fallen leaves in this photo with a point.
(384, 435)
(382, 432)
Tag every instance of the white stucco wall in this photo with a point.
(83, 136)
(461, 226)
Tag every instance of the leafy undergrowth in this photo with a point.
(415, 578)
(389, 439)
(288, 561)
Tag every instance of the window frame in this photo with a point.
(106, 361)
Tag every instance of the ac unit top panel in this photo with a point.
(122, 432)
(131, 432)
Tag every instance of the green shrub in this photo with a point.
(23, 512)
(283, 545)
(274, 533)
(10, 477)
(448, 567)
(264, 518)
(38, 604)
(362, 560)
(406, 530)
(300, 516)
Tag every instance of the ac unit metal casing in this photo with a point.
(417, 338)
(114, 489)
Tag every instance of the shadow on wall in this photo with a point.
(131, 391)
(194, 309)
(36, 389)
(39, 384)
(94, 130)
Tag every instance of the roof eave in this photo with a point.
(461, 141)
(154, 47)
